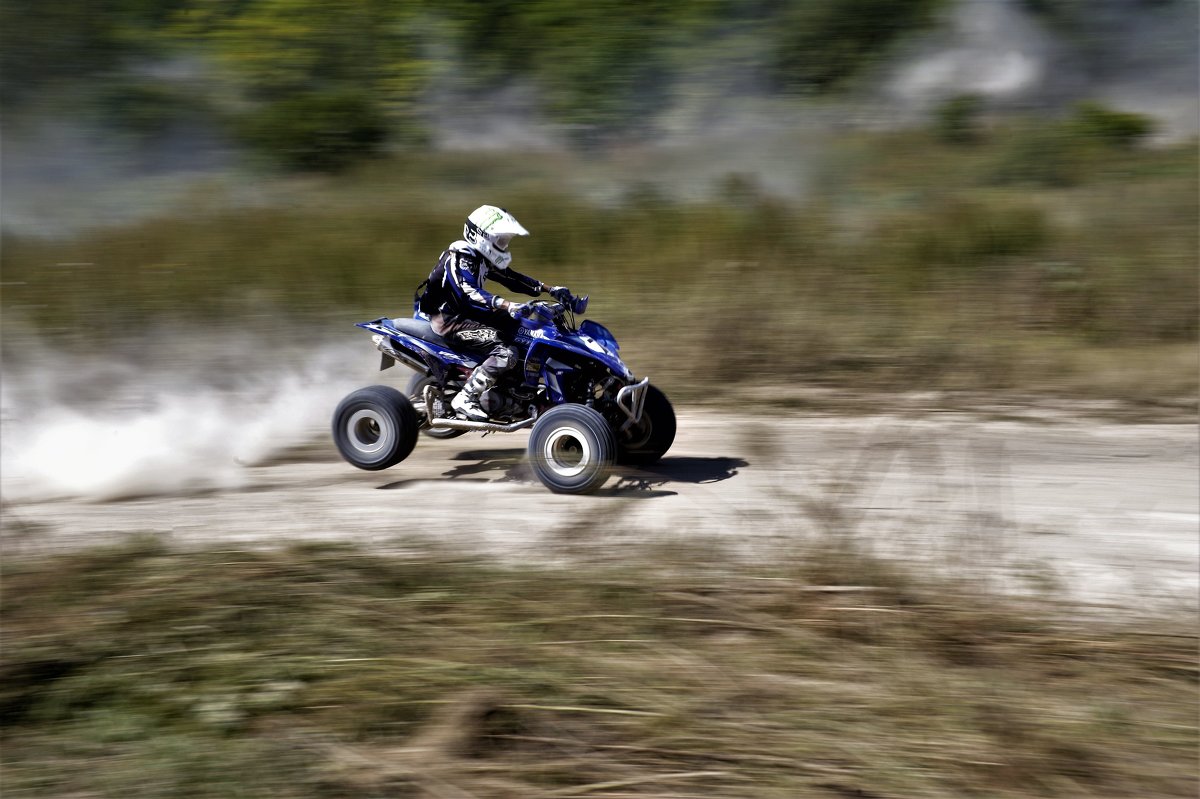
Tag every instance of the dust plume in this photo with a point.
(1137, 55)
(190, 416)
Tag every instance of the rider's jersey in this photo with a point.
(456, 286)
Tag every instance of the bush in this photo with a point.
(1058, 154)
(821, 43)
(1041, 155)
(324, 131)
(968, 234)
(1096, 123)
(956, 121)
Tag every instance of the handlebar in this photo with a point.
(551, 312)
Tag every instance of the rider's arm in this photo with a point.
(462, 277)
(518, 282)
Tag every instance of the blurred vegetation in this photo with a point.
(1071, 150)
(368, 67)
(956, 120)
(911, 261)
(1106, 127)
(821, 44)
(46, 44)
(983, 252)
(317, 130)
(324, 670)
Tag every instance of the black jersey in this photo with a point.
(456, 289)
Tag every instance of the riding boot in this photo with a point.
(467, 401)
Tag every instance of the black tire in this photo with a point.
(416, 392)
(375, 428)
(572, 449)
(647, 441)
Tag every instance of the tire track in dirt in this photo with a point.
(1109, 511)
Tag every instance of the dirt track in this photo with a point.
(1109, 511)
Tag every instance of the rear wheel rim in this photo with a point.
(368, 431)
(566, 452)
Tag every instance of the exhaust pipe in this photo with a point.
(387, 349)
(483, 427)
(441, 423)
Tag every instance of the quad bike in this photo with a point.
(586, 409)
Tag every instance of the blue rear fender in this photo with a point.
(437, 357)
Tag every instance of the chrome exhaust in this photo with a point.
(441, 423)
(483, 427)
(381, 343)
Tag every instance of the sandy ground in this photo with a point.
(1106, 512)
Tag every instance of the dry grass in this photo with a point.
(905, 266)
(326, 671)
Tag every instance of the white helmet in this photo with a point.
(489, 229)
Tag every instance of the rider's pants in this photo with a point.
(480, 341)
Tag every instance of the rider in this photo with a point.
(469, 317)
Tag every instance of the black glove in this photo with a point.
(570, 301)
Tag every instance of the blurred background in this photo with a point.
(819, 225)
(977, 194)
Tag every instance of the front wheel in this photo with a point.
(375, 428)
(572, 449)
(649, 439)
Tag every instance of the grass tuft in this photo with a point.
(325, 670)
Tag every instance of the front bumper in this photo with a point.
(631, 400)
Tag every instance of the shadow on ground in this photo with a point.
(511, 466)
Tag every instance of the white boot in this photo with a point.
(467, 401)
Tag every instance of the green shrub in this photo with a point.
(968, 234)
(821, 43)
(318, 130)
(1058, 154)
(1096, 123)
(956, 121)
(145, 108)
(1037, 156)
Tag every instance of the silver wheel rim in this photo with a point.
(645, 428)
(369, 432)
(566, 453)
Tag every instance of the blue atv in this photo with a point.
(586, 409)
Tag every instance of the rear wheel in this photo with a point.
(649, 439)
(375, 428)
(571, 449)
(416, 392)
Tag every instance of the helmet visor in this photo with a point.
(501, 242)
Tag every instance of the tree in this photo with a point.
(329, 80)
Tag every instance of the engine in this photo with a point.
(503, 403)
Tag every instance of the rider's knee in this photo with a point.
(501, 359)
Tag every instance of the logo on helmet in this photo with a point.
(489, 230)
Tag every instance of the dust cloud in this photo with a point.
(148, 421)
(1136, 55)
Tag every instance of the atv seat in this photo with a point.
(420, 328)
